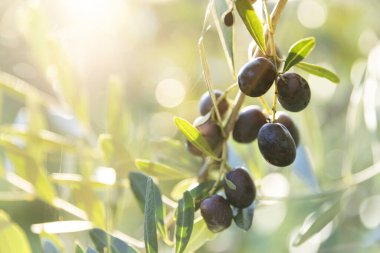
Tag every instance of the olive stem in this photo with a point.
(265, 105)
(221, 169)
(239, 99)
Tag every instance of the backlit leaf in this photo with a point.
(185, 219)
(252, 22)
(193, 135)
(199, 236)
(319, 71)
(159, 170)
(78, 248)
(103, 240)
(298, 51)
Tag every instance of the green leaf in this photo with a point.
(184, 224)
(201, 192)
(150, 235)
(138, 183)
(252, 22)
(159, 170)
(298, 51)
(199, 236)
(49, 247)
(91, 250)
(319, 71)
(193, 135)
(103, 240)
(225, 32)
(318, 221)
(12, 237)
(78, 248)
(243, 218)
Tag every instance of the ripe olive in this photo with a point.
(228, 18)
(284, 119)
(276, 144)
(293, 92)
(243, 192)
(248, 124)
(211, 132)
(217, 213)
(205, 103)
(256, 77)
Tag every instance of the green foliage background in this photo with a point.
(78, 93)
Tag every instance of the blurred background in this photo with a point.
(77, 72)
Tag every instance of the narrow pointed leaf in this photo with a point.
(91, 250)
(102, 240)
(201, 191)
(138, 183)
(319, 71)
(193, 135)
(159, 170)
(225, 32)
(319, 220)
(150, 235)
(243, 218)
(78, 249)
(199, 236)
(298, 51)
(185, 220)
(252, 22)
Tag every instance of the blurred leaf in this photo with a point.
(199, 236)
(12, 237)
(78, 248)
(243, 217)
(201, 192)
(181, 187)
(161, 171)
(49, 247)
(185, 220)
(138, 183)
(91, 250)
(193, 135)
(252, 22)
(304, 170)
(298, 51)
(150, 234)
(319, 220)
(103, 240)
(105, 144)
(318, 71)
(116, 111)
(225, 33)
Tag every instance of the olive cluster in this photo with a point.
(277, 139)
(240, 192)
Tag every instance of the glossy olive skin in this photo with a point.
(205, 103)
(284, 119)
(276, 144)
(217, 213)
(211, 132)
(293, 92)
(248, 124)
(256, 77)
(245, 192)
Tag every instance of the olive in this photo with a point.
(285, 120)
(217, 213)
(293, 92)
(242, 192)
(276, 144)
(248, 124)
(205, 103)
(228, 18)
(256, 77)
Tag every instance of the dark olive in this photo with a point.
(217, 213)
(276, 144)
(293, 92)
(211, 132)
(228, 18)
(284, 119)
(243, 192)
(248, 124)
(205, 103)
(256, 77)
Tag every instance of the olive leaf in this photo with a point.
(185, 219)
(159, 170)
(243, 217)
(298, 51)
(319, 71)
(252, 22)
(150, 235)
(194, 136)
